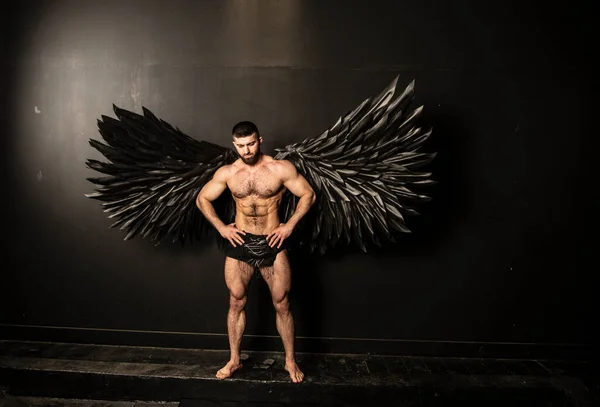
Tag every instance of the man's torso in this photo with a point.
(257, 192)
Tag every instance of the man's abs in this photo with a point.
(257, 215)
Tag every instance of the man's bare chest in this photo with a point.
(261, 183)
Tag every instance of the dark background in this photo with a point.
(504, 253)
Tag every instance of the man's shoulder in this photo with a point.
(283, 168)
(285, 164)
(271, 162)
(225, 172)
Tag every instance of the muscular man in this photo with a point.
(257, 237)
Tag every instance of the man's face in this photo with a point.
(248, 148)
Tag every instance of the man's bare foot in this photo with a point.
(228, 370)
(295, 373)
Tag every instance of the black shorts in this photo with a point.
(255, 250)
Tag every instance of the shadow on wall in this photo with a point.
(451, 196)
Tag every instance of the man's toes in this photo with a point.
(223, 373)
(297, 376)
(227, 371)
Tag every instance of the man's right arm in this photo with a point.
(211, 191)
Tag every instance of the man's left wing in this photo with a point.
(363, 170)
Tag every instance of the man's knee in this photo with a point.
(281, 304)
(237, 300)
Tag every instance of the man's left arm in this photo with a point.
(298, 186)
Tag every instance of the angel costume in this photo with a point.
(362, 169)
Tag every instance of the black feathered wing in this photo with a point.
(363, 170)
(154, 174)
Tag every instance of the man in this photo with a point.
(257, 183)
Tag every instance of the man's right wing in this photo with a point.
(154, 174)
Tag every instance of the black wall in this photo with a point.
(499, 256)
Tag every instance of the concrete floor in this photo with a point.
(62, 374)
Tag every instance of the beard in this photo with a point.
(251, 160)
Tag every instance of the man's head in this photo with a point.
(247, 141)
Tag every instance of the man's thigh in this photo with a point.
(237, 276)
(278, 276)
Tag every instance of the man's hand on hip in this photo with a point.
(279, 234)
(231, 233)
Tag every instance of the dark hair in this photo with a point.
(244, 129)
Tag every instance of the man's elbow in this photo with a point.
(200, 201)
(312, 197)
